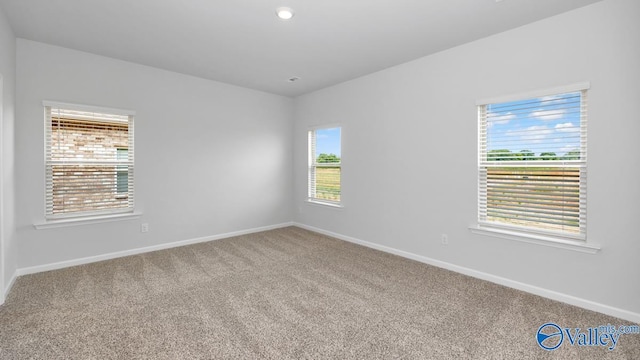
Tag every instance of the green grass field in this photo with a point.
(328, 183)
(546, 198)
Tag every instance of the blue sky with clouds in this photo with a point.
(328, 141)
(544, 124)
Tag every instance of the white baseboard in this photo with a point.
(9, 285)
(118, 254)
(550, 294)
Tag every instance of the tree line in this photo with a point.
(492, 155)
(327, 158)
(508, 155)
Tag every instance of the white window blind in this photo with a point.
(325, 165)
(89, 161)
(533, 164)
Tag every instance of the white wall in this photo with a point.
(410, 145)
(210, 158)
(8, 248)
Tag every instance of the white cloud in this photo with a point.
(500, 119)
(553, 99)
(536, 133)
(548, 114)
(567, 127)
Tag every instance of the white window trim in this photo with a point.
(321, 202)
(530, 235)
(89, 217)
(533, 238)
(537, 93)
(86, 220)
(89, 108)
(336, 205)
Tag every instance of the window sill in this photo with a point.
(86, 220)
(545, 240)
(325, 203)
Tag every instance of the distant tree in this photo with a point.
(527, 155)
(328, 158)
(499, 155)
(548, 156)
(572, 155)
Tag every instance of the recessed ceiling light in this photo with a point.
(284, 13)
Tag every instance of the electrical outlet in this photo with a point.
(144, 227)
(445, 239)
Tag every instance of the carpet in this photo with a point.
(282, 294)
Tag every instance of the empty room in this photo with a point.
(361, 179)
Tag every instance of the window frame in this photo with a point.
(313, 165)
(530, 234)
(89, 216)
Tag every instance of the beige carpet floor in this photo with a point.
(281, 294)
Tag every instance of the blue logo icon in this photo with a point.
(550, 336)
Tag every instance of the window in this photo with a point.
(122, 176)
(89, 161)
(533, 164)
(324, 165)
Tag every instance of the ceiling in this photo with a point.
(242, 42)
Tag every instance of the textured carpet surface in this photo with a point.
(281, 294)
